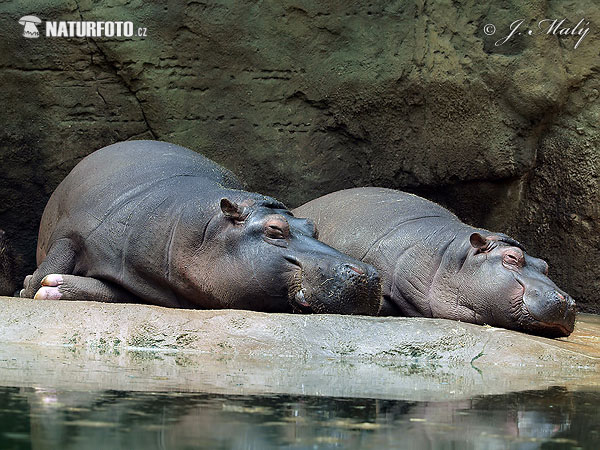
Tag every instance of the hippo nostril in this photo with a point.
(566, 298)
(355, 269)
(562, 297)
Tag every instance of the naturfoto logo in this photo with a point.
(29, 26)
(79, 28)
(89, 29)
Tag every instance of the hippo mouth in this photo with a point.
(541, 327)
(564, 316)
(554, 329)
(300, 301)
(297, 292)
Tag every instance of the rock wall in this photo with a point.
(301, 98)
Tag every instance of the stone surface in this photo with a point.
(138, 347)
(301, 98)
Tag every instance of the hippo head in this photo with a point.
(264, 258)
(509, 288)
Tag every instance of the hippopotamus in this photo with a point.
(433, 265)
(7, 285)
(152, 222)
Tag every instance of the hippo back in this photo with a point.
(125, 174)
(385, 210)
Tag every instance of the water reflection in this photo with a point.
(46, 419)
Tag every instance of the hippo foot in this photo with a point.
(51, 288)
(60, 259)
(26, 287)
(57, 286)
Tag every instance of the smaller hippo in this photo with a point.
(7, 284)
(433, 265)
(152, 222)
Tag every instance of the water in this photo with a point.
(75, 375)
(554, 418)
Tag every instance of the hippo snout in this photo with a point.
(553, 309)
(335, 287)
(359, 288)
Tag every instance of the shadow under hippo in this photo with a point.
(7, 262)
(152, 222)
(433, 265)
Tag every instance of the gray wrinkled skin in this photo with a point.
(433, 265)
(152, 222)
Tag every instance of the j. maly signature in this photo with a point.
(554, 27)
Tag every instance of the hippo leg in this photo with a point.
(71, 287)
(60, 259)
(27, 281)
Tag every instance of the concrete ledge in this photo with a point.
(120, 346)
(122, 327)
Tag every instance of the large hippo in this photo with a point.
(7, 285)
(152, 222)
(433, 265)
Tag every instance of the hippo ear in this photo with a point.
(231, 209)
(479, 242)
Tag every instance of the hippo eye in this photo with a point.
(512, 259)
(274, 231)
(276, 227)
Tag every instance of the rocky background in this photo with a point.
(301, 98)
